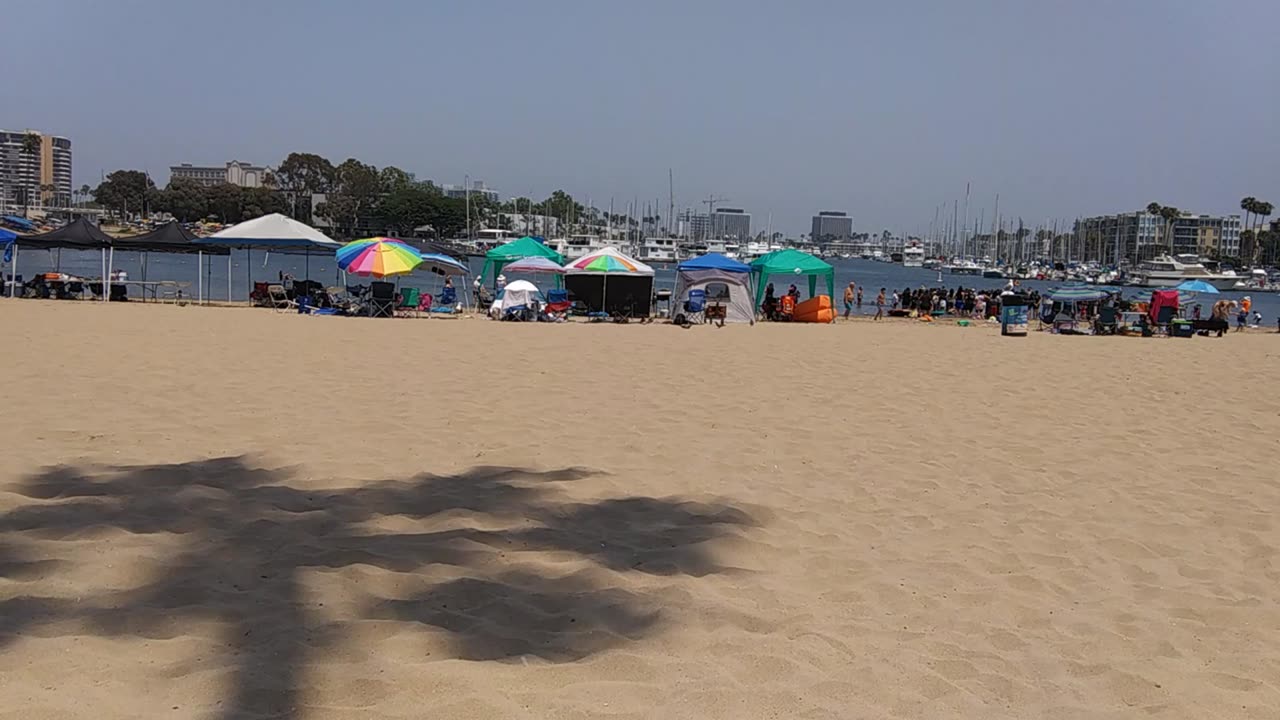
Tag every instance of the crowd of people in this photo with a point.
(925, 302)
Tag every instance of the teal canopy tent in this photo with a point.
(503, 255)
(792, 262)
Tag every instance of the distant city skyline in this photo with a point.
(1066, 110)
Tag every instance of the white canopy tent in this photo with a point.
(270, 232)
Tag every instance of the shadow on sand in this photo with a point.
(240, 535)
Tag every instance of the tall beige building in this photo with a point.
(24, 173)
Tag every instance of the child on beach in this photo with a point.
(880, 304)
(848, 300)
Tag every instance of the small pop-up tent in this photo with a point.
(726, 281)
(524, 247)
(792, 262)
(608, 281)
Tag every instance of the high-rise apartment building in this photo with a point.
(35, 170)
(1140, 236)
(731, 223)
(831, 226)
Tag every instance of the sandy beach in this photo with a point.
(232, 513)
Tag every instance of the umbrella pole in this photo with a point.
(307, 265)
(228, 278)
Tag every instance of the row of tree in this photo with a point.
(355, 198)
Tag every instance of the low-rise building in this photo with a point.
(235, 172)
(477, 190)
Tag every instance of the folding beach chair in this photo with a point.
(1107, 321)
(446, 304)
(695, 308)
(410, 298)
(786, 308)
(279, 299)
(382, 299)
(260, 296)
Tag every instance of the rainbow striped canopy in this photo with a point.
(378, 257)
(607, 261)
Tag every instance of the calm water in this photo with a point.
(261, 266)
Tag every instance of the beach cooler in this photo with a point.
(1013, 315)
(815, 310)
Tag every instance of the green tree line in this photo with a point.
(355, 198)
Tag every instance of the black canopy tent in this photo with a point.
(81, 234)
(173, 238)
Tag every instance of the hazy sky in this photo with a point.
(883, 109)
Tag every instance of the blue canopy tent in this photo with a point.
(725, 281)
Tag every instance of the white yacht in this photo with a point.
(659, 250)
(1166, 271)
(577, 246)
(964, 266)
(754, 250)
(913, 256)
(490, 238)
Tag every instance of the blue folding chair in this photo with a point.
(695, 308)
(446, 304)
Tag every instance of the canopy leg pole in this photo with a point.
(111, 260)
(103, 284)
(228, 278)
(248, 270)
(200, 277)
(307, 267)
(13, 270)
(57, 261)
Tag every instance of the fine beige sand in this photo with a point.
(231, 513)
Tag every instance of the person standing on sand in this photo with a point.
(880, 304)
(848, 300)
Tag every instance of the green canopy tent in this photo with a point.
(526, 246)
(792, 262)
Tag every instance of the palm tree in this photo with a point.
(84, 195)
(1261, 210)
(1247, 204)
(1169, 213)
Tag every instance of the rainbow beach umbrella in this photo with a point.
(378, 257)
(607, 261)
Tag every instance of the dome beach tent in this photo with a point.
(608, 281)
(792, 262)
(270, 232)
(516, 294)
(715, 269)
(524, 247)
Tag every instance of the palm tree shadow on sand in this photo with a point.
(242, 536)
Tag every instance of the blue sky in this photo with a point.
(883, 109)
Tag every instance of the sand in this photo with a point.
(239, 514)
